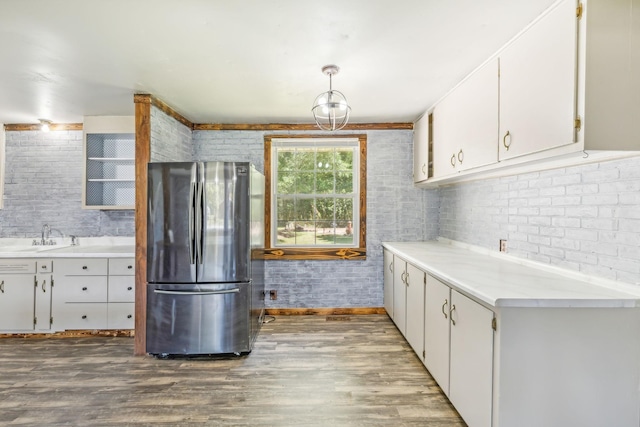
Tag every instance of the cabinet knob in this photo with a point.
(129, 288)
(84, 267)
(84, 288)
(129, 316)
(44, 267)
(84, 316)
(130, 267)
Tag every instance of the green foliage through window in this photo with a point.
(316, 194)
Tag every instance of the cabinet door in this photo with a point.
(399, 293)
(476, 117)
(471, 369)
(538, 85)
(121, 289)
(414, 329)
(388, 282)
(16, 302)
(445, 147)
(436, 331)
(421, 149)
(43, 297)
(121, 315)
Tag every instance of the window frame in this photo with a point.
(316, 252)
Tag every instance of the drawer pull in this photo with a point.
(453, 308)
(84, 288)
(130, 267)
(129, 316)
(84, 267)
(44, 284)
(443, 306)
(44, 267)
(129, 288)
(84, 316)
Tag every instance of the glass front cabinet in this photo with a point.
(109, 147)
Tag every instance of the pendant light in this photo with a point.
(330, 109)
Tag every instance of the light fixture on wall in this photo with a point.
(45, 125)
(330, 109)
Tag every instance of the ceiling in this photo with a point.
(251, 61)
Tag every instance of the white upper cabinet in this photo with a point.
(465, 124)
(421, 141)
(109, 146)
(567, 83)
(538, 84)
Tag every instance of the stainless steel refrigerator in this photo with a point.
(205, 292)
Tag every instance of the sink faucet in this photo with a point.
(46, 230)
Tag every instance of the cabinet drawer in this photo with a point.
(82, 267)
(121, 266)
(17, 266)
(122, 289)
(82, 289)
(121, 315)
(44, 266)
(84, 316)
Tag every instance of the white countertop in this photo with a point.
(88, 247)
(502, 281)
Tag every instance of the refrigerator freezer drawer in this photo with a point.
(198, 319)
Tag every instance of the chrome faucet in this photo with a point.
(46, 231)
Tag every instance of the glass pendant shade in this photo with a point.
(330, 109)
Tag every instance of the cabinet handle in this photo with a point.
(407, 279)
(84, 267)
(444, 313)
(130, 267)
(391, 267)
(44, 283)
(453, 160)
(504, 140)
(129, 288)
(403, 276)
(2, 286)
(453, 308)
(424, 172)
(44, 267)
(84, 316)
(84, 288)
(460, 156)
(129, 316)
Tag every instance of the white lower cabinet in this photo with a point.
(399, 294)
(388, 282)
(95, 293)
(414, 328)
(458, 337)
(26, 287)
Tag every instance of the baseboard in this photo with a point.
(324, 311)
(73, 334)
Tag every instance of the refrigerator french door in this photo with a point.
(204, 287)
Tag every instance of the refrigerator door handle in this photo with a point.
(199, 221)
(192, 196)
(226, 291)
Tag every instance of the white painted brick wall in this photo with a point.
(585, 218)
(43, 184)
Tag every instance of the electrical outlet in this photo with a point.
(503, 245)
(273, 294)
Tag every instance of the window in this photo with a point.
(316, 197)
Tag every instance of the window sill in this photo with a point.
(313, 253)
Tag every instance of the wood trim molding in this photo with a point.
(299, 126)
(311, 253)
(145, 98)
(324, 311)
(74, 334)
(143, 154)
(53, 126)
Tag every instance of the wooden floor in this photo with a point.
(303, 371)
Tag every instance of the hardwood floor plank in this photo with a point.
(304, 370)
